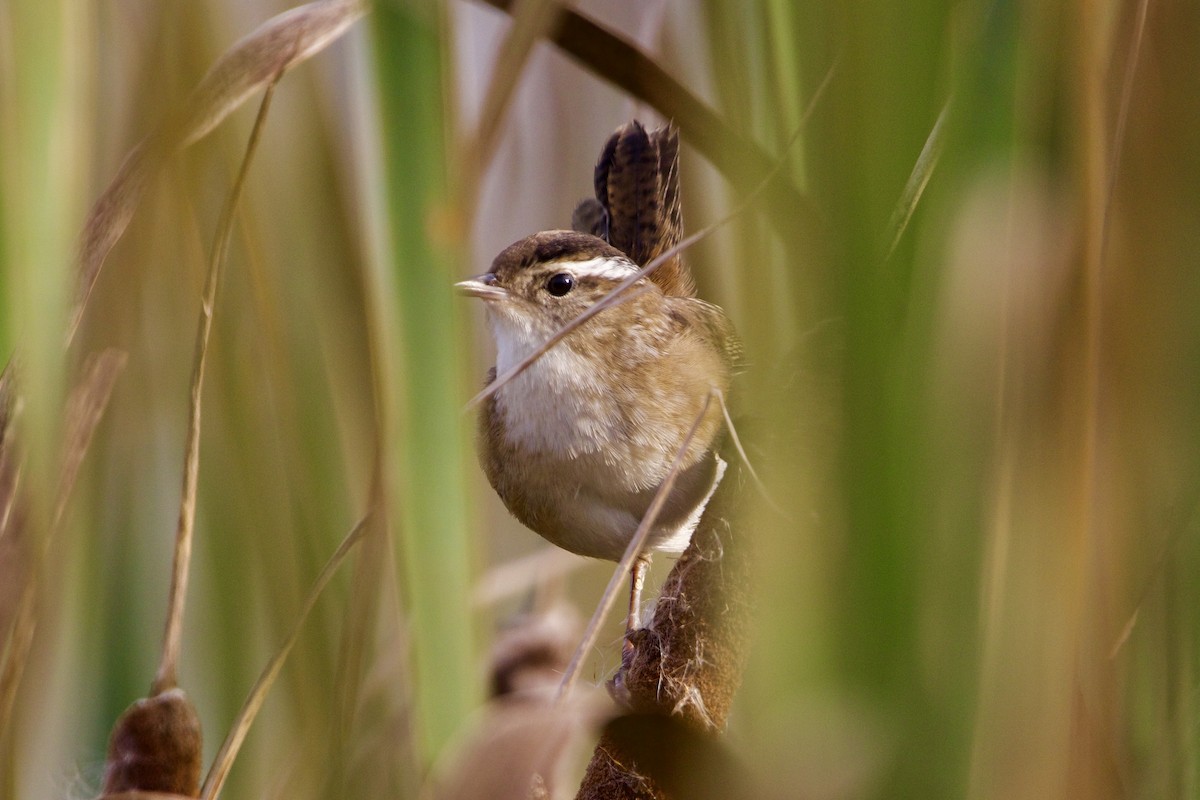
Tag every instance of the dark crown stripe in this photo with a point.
(550, 246)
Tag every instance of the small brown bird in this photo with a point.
(579, 443)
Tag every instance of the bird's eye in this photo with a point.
(560, 283)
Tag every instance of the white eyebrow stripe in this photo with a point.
(601, 267)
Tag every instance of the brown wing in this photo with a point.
(717, 328)
(637, 183)
(590, 216)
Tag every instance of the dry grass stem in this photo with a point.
(531, 21)
(16, 654)
(1094, 279)
(616, 60)
(85, 407)
(917, 181)
(741, 451)
(255, 61)
(632, 552)
(223, 761)
(1156, 575)
(173, 635)
(16, 556)
(1118, 141)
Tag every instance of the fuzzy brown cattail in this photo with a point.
(522, 745)
(687, 663)
(156, 746)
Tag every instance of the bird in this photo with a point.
(578, 445)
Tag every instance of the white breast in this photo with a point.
(558, 404)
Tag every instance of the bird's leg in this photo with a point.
(637, 579)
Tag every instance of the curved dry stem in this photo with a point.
(742, 162)
(741, 451)
(85, 407)
(1114, 161)
(252, 63)
(531, 21)
(632, 551)
(1114, 165)
(223, 761)
(166, 678)
(16, 654)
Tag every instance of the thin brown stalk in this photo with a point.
(1095, 332)
(742, 162)
(1096, 256)
(273, 48)
(16, 655)
(1094, 341)
(85, 408)
(1155, 575)
(224, 759)
(360, 610)
(741, 451)
(166, 678)
(632, 552)
(1114, 158)
(618, 296)
(531, 20)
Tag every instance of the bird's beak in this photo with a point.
(483, 286)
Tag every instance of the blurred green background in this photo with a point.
(984, 433)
